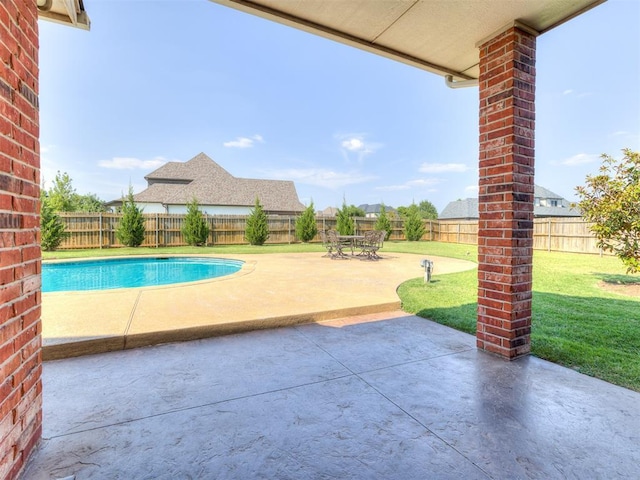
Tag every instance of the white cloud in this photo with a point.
(244, 142)
(567, 92)
(130, 163)
(322, 177)
(443, 167)
(355, 144)
(579, 159)
(472, 188)
(423, 183)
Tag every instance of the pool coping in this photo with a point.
(261, 295)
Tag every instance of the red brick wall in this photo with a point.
(505, 228)
(20, 355)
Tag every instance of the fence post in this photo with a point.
(549, 236)
(100, 226)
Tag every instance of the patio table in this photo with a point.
(352, 241)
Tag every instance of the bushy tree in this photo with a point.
(428, 210)
(195, 228)
(257, 228)
(383, 222)
(611, 201)
(413, 226)
(344, 220)
(306, 226)
(130, 231)
(52, 230)
(88, 203)
(63, 197)
(61, 193)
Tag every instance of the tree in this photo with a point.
(306, 226)
(611, 201)
(428, 211)
(52, 230)
(344, 221)
(257, 229)
(195, 228)
(63, 197)
(383, 222)
(130, 231)
(61, 193)
(87, 203)
(413, 226)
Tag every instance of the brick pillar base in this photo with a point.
(505, 228)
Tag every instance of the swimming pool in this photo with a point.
(105, 274)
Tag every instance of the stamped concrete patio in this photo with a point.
(375, 396)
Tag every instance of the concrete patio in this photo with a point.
(373, 394)
(383, 396)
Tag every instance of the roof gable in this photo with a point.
(178, 183)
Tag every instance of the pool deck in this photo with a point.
(271, 290)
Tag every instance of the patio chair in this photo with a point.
(372, 242)
(335, 245)
(326, 243)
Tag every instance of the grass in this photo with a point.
(575, 323)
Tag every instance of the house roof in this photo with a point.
(178, 183)
(467, 208)
(435, 35)
(375, 208)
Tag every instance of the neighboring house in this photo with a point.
(372, 211)
(172, 186)
(545, 204)
(329, 212)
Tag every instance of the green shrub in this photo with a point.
(306, 227)
(413, 226)
(344, 220)
(383, 222)
(130, 231)
(195, 228)
(52, 230)
(257, 228)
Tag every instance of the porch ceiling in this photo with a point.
(440, 36)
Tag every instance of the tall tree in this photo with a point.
(257, 228)
(131, 229)
(344, 221)
(383, 222)
(195, 228)
(428, 210)
(611, 201)
(413, 225)
(61, 193)
(306, 226)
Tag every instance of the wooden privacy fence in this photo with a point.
(98, 230)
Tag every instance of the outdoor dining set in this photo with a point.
(363, 246)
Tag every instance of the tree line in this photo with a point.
(609, 200)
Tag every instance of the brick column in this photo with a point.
(505, 228)
(20, 327)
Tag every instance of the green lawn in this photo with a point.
(575, 322)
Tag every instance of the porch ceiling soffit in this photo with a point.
(66, 12)
(439, 36)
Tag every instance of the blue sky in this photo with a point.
(158, 81)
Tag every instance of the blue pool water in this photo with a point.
(132, 272)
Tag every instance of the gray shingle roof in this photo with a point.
(177, 183)
(467, 209)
